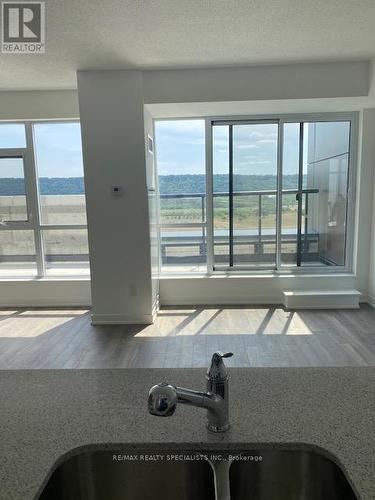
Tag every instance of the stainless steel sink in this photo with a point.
(255, 475)
(98, 476)
(288, 475)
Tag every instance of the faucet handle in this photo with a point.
(224, 354)
(217, 370)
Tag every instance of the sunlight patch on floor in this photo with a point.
(71, 313)
(33, 323)
(226, 321)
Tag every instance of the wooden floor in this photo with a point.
(186, 337)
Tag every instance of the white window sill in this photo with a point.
(29, 279)
(270, 275)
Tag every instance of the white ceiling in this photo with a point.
(120, 34)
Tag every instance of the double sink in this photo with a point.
(261, 474)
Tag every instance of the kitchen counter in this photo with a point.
(46, 414)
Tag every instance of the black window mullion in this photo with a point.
(231, 195)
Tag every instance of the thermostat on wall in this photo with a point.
(116, 190)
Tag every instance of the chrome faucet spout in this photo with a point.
(163, 398)
(191, 397)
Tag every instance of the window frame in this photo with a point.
(353, 119)
(165, 225)
(13, 153)
(33, 200)
(348, 268)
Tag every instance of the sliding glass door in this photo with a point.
(244, 193)
(279, 194)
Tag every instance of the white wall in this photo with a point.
(45, 292)
(112, 124)
(244, 289)
(39, 105)
(293, 81)
(368, 156)
(153, 200)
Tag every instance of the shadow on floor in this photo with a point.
(187, 337)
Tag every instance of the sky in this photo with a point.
(58, 149)
(181, 148)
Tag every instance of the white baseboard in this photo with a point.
(321, 299)
(122, 319)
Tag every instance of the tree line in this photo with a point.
(179, 184)
(168, 184)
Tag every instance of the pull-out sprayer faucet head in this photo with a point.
(162, 400)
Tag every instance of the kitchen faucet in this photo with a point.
(163, 398)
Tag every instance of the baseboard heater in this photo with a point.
(321, 299)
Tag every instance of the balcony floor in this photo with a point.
(186, 337)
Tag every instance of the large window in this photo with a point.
(280, 194)
(244, 193)
(42, 200)
(277, 194)
(180, 147)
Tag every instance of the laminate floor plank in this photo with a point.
(187, 337)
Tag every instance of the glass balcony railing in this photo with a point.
(183, 229)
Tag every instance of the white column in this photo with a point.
(112, 122)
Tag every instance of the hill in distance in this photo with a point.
(168, 184)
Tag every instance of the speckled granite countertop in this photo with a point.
(45, 414)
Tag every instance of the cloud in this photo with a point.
(267, 141)
(247, 146)
(180, 147)
(177, 127)
(263, 135)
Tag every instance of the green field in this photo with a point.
(245, 208)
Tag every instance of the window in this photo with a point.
(244, 194)
(315, 194)
(180, 149)
(18, 255)
(65, 249)
(270, 215)
(277, 197)
(13, 206)
(12, 135)
(42, 200)
(60, 173)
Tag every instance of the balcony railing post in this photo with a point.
(306, 241)
(259, 248)
(202, 248)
